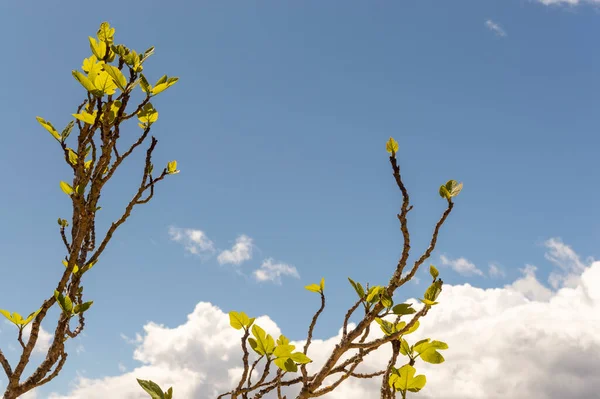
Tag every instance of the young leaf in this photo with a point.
(148, 115)
(386, 300)
(391, 146)
(283, 340)
(403, 309)
(106, 33)
(313, 288)
(163, 84)
(152, 388)
(404, 347)
(429, 351)
(86, 83)
(357, 287)
(453, 188)
(444, 192)
(400, 326)
(117, 76)
(146, 88)
(66, 187)
(64, 302)
(300, 358)
(322, 284)
(83, 307)
(67, 130)
(75, 268)
(48, 126)
(433, 271)
(238, 320)
(404, 379)
(105, 83)
(86, 117)
(172, 168)
(98, 48)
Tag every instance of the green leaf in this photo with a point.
(83, 307)
(117, 76)
(264, 343)
(146, 88)
(373, 296)
(172, 168)
(391, 146)
(357, 287)
(152, 388)
(403, 309)
(67, 130)
(30, 317)
(48, 126)
(66, 187)
(404, 348)
(238, 320)
(313, 288)
(148, 115)
(404, 379)
(86, 83)
(444, 192)
(386, 300)
(300, 357)
(429, 351)
(433, 271)
(286, 364)
(428, 302)
(433, 291)
(386, 326)
(163, 84)
(64, 302)
(411, 330)
(453, 188)
(105, 83)
(284, 350)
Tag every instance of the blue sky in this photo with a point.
(279, 123)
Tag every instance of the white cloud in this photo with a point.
(568, 2)
(122, 367)
(194, 241)
(495, 271)
(461, 266)
(270, 271)
(43, 341)
(567, 260)
(521, 341)
(494, 27)
(240, 252)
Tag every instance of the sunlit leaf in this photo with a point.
(391, 146)
(48, 126)
(66, 187)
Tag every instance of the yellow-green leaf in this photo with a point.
(147, 115)
(146, 88)
(434, 272)
(444, 192)
(172, 168)
(163, 84)
(106, 33)
(391, 146)
(117, 76)
(404, 379)
(98, 48)
(6, 314)
(238, 320)
(322, 284)
(85, 82)
(72, 157)
(105, 83)
(313, 288)
(429, 351)
(86, 117)
(48, 126)
(75, 268)
(400, 326)
(66, 187)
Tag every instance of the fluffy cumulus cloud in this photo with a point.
(461, 266)
(240, 252)
(494, 27)
(520, 341)
(270, 271)
(194, 241)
